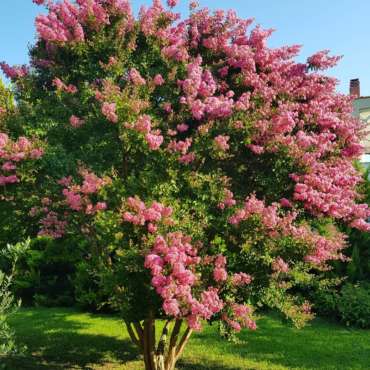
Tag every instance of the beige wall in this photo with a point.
(362, 110)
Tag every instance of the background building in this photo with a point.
(361, 109)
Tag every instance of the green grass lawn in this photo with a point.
(68, 339)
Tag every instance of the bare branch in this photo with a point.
(132, 335)
(184, 340)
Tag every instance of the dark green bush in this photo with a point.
(354, 304)
(349, 304)
(325, 302)
(87, 287)
(43, 275)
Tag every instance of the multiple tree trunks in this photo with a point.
(164, 354)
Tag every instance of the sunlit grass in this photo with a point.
(62, 338)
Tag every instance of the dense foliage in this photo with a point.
(206, 172)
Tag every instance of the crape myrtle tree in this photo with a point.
(207, 172)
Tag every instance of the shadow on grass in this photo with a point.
(54, 342)
(320, 345)
(66, 339)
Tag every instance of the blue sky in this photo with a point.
(339, 25)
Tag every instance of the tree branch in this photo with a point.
(139, 330)
(184, 340)
(163, 339)
(171, 355)
(132, 335)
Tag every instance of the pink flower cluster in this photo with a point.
(172, 262)
(279, 265)
(65, 21)
(50, 222)
(219, 272)
(109, 111)
(136, 78)
(330, 189)
(322, 60)
(200, 88)
(221, 142)
(77, 197)
(176, 267)
(158, 80)
(241, 317)
(15, 71)
(140, 214)
(241, 279)
(12, 153)
(51, 225)
(228, 200)
(143, 125)
(61, 24)
(172, 3)
(321, 248)
(182, 147)
(76, 121)
(61, 86)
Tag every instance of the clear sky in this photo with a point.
(339, 25)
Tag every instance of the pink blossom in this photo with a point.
(109, 111)
(73, 200)
(65, 181)
(13, 72)
(136, 78)
(182, 127)
(154, 141)
(158, 80)
(322, 60)
(219, 274)
(171, 307)
(257, 149)
(143, 124)
(285, 203)
(279, 265)
(187, 158)
(222, 142)
(172, 3)
(8, 166)
(76, 121)
(241, 279)
(3, 140)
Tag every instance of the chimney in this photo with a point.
(354, 87)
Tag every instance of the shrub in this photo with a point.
(8, 304)
(7, 307)
(354, 304)
(43, 274)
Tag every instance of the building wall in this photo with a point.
(362, 110)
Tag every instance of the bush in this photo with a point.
(354, 304)
(325, 302)
(87, 290)
(43, 274)
(348, 303)
(8, 304)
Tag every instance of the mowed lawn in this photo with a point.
(68, 339)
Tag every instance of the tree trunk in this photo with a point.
(161, 356)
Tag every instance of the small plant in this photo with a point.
(7, 306)
(8, 303)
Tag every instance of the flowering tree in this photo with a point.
(207, 171)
